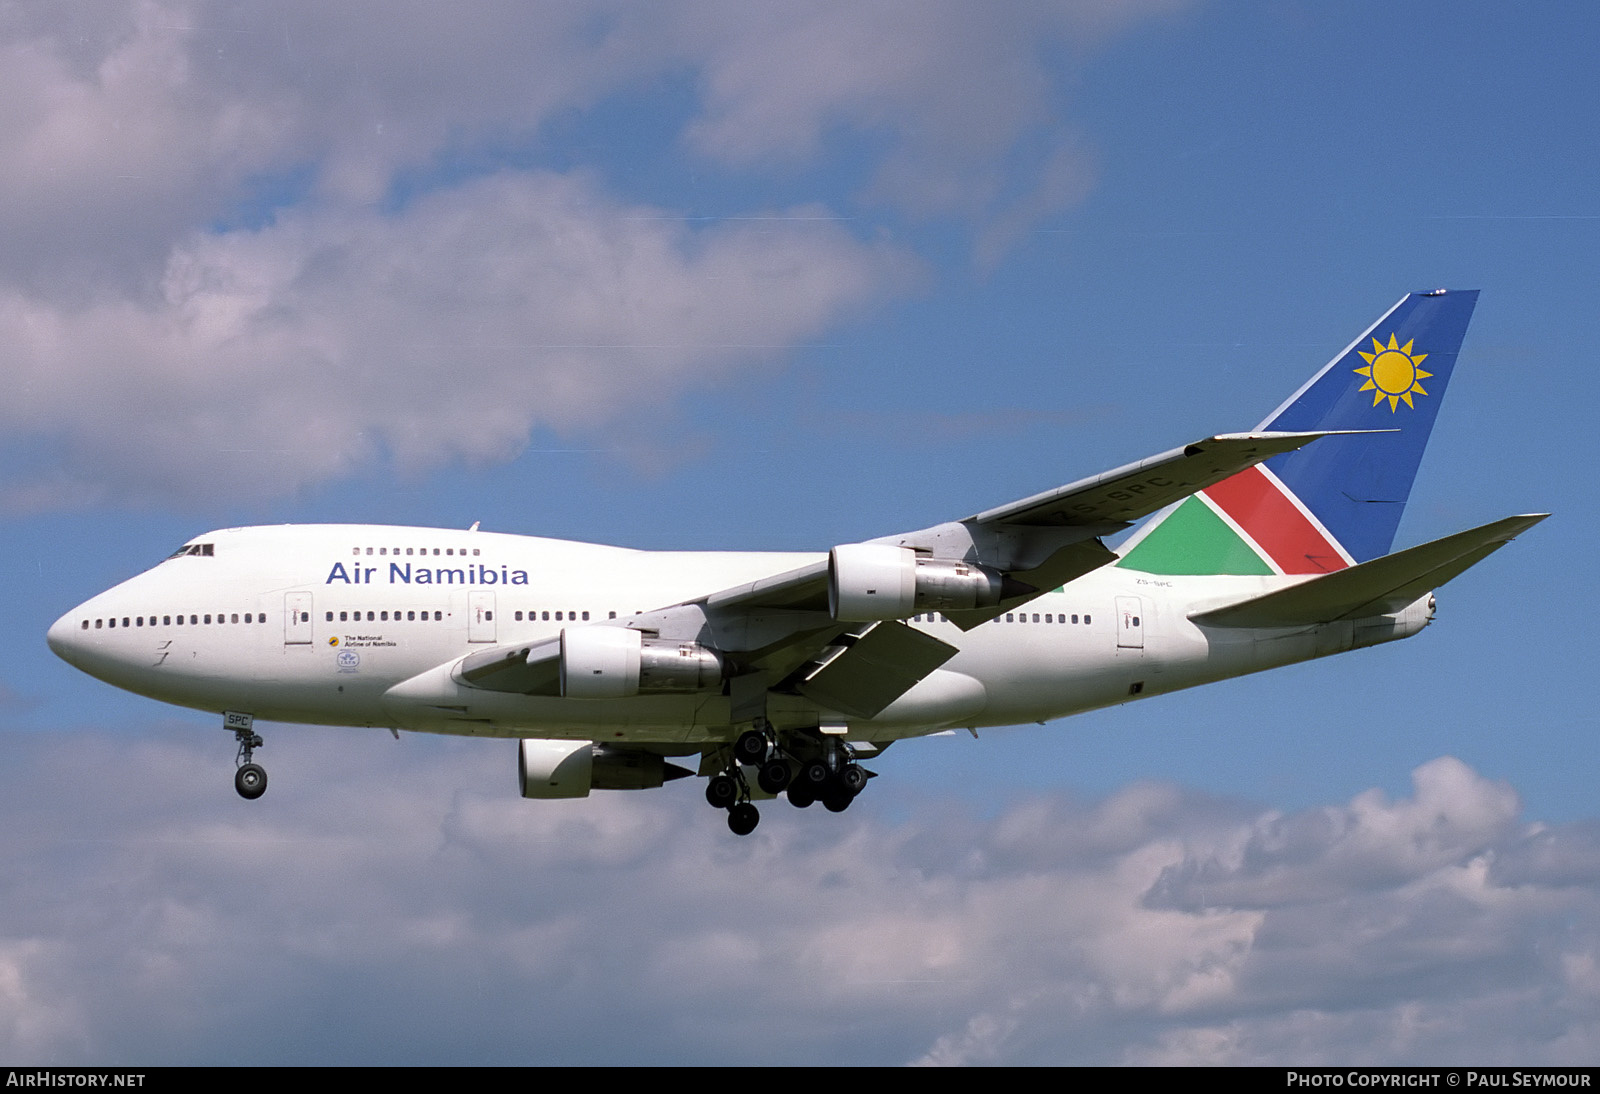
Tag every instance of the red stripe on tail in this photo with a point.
(1256, 504)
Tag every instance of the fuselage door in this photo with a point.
(296, 619)
(480, 617)
(1130, 623)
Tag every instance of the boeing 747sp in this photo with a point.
(620, 669)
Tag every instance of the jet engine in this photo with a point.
(570, 769)
(619, 662)
(868, 581)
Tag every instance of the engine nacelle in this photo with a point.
(869, 581)
(555, 769)
(570, 769)
(619, 662)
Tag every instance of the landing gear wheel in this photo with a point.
(750, 748)
(853, 780)
(743, 818)
(838, 801)
(800, 794)
(773, 776)
(250, 781)
(722, 792)
(817, 776)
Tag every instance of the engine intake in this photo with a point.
(873, 581)
(570, 769)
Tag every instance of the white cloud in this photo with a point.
(394, 902)
(276, 358)
(162, 356)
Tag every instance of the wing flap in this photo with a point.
(1377, 587)
(883, 664)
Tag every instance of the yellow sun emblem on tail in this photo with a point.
(1392, 373)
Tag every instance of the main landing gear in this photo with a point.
(810, 767)
(250, 780)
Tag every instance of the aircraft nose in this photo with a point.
(64, 637)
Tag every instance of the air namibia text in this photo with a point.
(404, 574)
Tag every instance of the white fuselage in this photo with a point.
(363, 625)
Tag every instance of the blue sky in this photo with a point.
(712, 275)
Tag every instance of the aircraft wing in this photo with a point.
(780, 631)
(1139, 489)
(1095, 506)
(528, 668)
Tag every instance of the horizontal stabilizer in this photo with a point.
(1377, 587)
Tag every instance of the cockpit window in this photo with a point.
(205, 549)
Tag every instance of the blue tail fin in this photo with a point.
(1393, 377)
(1337, 502)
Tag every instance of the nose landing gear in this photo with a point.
(250, 780)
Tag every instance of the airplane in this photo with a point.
(776, 673)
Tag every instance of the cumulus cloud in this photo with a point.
(396, 903)
(254, 247)
(306, 349)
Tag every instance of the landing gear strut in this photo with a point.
(729, 791)
(812, 767)
(250, 780)
(834, 778)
